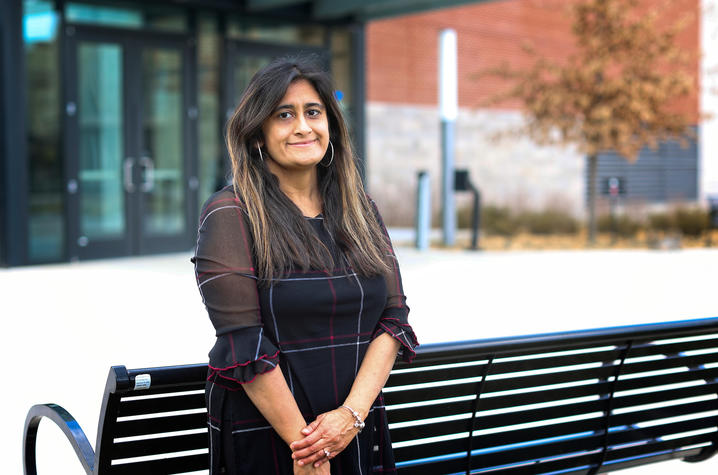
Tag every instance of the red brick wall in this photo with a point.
(402, 52)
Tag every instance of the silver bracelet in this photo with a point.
(358, 423)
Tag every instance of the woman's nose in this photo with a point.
(302, 127)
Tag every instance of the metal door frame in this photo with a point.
(134, 243)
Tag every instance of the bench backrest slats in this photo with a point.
(570, 405)
(159, 425)
(683, 444)
(167, 404)
(162, 429)
(181, 464)
(160, 445)
(566, 403)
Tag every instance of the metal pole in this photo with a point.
(476, 218)
(448, 110)
(423, 211)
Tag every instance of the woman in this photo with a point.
(300, 281)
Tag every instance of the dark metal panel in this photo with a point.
(667, 378)
(161, 445)
(436, 409)
(13, 103)
(648, 434)
(651, 447)
(438, 374)
(686, 409)
(431, 393)
(518, 345)
(544, 396)
(538, 380)
(659, 348)
(540, 361)
(3, 152)
(170, 376)
(652, 458)
(670, 362)
(425, 429)
(261, 5)
(651, 397)
(371, 9)
(162, 404)
(406, 7)
(358, 46)
(561, 449)
(667, 173)
(160, 425)
(185, 464)
(343, 8)
(534, 434)
(191, 97)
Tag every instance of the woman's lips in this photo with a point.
(304, 144)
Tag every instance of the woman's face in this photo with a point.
(296, 135)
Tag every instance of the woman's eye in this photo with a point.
(285, 115)
(313, 112)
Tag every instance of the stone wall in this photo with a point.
(513, 171)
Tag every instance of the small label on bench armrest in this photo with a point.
(142, 381)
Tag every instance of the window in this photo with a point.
(46, 201)
(667, 174)
(127, 16)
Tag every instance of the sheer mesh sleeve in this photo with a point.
(227, 281)
(395, 317)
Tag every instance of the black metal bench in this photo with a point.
(574, 402)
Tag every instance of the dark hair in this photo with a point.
(282, 237)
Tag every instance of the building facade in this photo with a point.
(513, 171)
(113, 112)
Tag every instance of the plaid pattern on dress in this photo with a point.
(316, 325)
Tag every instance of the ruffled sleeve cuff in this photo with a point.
(239, 356)
(402, 332)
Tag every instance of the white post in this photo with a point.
(448, 111)
(708, 132)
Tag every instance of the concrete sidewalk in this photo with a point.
(66, 324)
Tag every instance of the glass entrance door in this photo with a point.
(161, 164)
(126, 146)
(102, 177)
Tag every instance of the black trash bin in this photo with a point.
(462, 182)
(713, 211)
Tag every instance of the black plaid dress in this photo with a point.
(316, 325)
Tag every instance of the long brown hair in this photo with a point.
(283, 239)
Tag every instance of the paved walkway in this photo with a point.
(65, 325)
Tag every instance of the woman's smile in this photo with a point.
(305, 143)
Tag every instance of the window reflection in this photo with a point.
(46, 206)
(127, 16)
(251, 29)
(101, 125)
(210, 129)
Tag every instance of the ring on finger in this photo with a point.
(327, 452)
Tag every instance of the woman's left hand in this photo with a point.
(333, 431)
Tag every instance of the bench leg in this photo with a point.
(70, 428)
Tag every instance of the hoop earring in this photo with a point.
(260, 152)
(331, 159)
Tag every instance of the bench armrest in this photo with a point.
(70, 428)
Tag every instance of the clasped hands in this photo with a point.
(328, 434)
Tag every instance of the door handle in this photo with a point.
(127, 167)
(148, 174)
